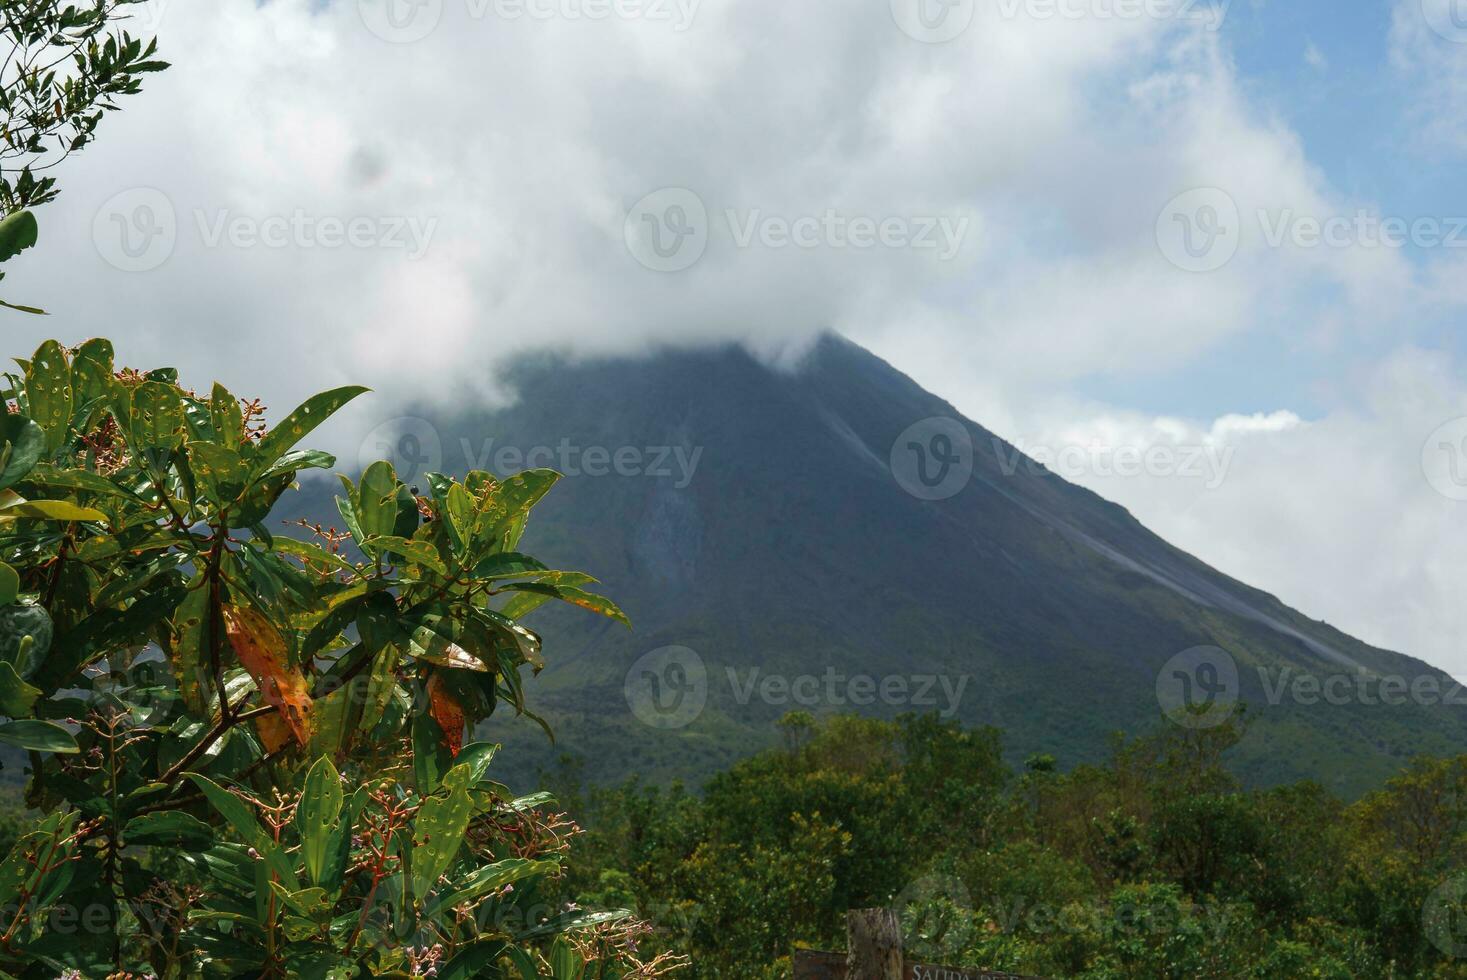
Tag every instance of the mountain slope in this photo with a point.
(793, 550)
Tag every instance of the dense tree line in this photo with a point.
(1156, 864)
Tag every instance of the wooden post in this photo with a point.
(875, 945)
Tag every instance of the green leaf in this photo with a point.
(283, 436)
(22, 443)
(239, 816)
(317, 815)
(474, 960)
(385, 508)
(48, 392)
(565, 962)
(418, 552)
(17, 698)
(18, 232)
(48, 510)
(157, 421)
(9, 584)
(574, 596)
(508, 564)
(525, 603)
(491, 878)
(38, 736)
(169, 828)
(438, 831)
(226, 416)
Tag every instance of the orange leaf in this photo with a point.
(448, 713)
(273, 731)
(261, 651)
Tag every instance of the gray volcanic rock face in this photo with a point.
(752, 516)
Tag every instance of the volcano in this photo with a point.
(834, 538)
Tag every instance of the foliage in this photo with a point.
(250, 746)
(1155, 864)
(65, 65)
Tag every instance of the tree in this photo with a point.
(251, 747)
(64, 67)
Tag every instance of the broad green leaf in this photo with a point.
(22, 444)
(507, 564)
(574, 596)
(525, 603)
(221, 472)
(565, 962)
(169, 828)
(282, 437)
(418, 552)
(317, 815)
(438, 832)
(9, 584)
(48, 390)
(226, 416)
(385, 508)
(38, 736)
(47, 510)
(157, 417)
(91, 371)
(474, 960)
(17, 698)
(18, 232)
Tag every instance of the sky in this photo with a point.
(1230, 237)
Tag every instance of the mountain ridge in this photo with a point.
(801, 543)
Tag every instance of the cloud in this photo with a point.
(1035, 201)
(1429, 51)
(1358, 517)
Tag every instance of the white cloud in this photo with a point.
(523, 143)
(1429, 49)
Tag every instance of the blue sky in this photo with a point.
(1351, 108)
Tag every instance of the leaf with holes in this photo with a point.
(262, 651)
